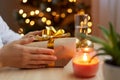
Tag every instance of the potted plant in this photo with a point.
(110, 45)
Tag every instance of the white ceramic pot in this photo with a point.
(111, 72)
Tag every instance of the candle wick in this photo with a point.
(92, 58)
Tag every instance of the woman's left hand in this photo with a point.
(32, 34)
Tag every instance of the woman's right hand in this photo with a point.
(15, 54)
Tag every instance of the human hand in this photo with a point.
(15, 54)
(32, 34)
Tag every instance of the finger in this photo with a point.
(35, 33)
(25, 41)
(39, 62)
(35, 50)
(34, 66)
(43, 57)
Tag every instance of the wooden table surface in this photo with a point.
(65, 73)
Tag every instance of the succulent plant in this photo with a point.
(110, 45)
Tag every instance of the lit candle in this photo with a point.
(83, 68)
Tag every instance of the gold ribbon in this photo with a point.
(50, 32)
(50, 45)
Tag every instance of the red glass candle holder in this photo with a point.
(83, 68)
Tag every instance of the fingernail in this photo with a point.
(33, 38)
(54, 57)
(52, 51)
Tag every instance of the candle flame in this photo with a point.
(85, 57)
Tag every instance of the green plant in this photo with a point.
(110, 45)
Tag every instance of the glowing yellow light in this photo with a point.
(48, 22)
(32, 13)
(57, 15)
(32, 23)
(20, 30)
(74, 0)
(81, 12)
(48, 9)
(21, 11)
(89, 30)
(22, 34)
(89, 24)
(85, 58)
(77, 42)
(27, 21)
(49, 0)
(69, 10)
(54, 13)
(37, 11)
(88, 17)
(41, 14)
(63, 15)
(25, 1)
(44, 19)
(24, 15)
(81, 23)
(70, 0)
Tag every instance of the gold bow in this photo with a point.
(51, 32)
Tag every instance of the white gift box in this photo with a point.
(65, 49)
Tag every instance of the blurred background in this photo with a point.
(27, 15)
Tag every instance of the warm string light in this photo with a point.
(49, 0)
(89, 30)
(63, 15)
(32, 23)
(88, 17)
(43, 19)
(20, 30)
(48, 9)
(22, 34)
(37, 12)
(48, 22)
(89, 24)
(69, 10)
(57, 15)
(41, 14)
(72, 0)
(24, 1)
(54, 13)
(32, 13)
(21, 11)
(27, 21)
(24, 15)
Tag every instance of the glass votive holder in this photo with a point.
(80, 23)
(83, 67)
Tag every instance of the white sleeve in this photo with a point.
(1, 44)
(7, 35)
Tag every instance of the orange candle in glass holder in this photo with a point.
(83, 68)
